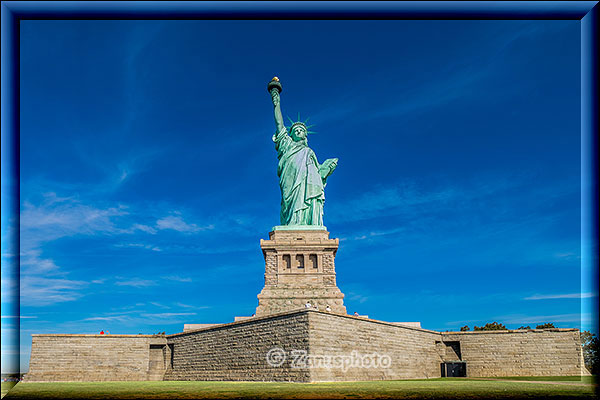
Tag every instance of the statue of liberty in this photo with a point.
(301, 178)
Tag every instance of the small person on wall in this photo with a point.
(328, 309)
(307, 305)
(102, 332)
(355, 314)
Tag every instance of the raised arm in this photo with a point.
(275, 96)
(274, 88)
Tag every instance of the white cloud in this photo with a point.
(143, 228)
(139, 245)
(43, 282)
(188, 306)
(141, 318)
(176, 222)
(42, 291)
(177, 278)
(58, 217)
(568, 256)
(119, 318)
(357, 297)
(374, 234)
(560, 296)
(135, 282)
(403, 198)
(167, 315)
(32, 264)
(159, 305)
(536, 319)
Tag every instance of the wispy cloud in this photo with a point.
(561, 296)
(176, 222)
(43, 282)
(177, 278)
(141, 318)
(357, 297)
(159, 305)
(143, 228)
(488, 205)
(52, 217)
(410, 198)
(119, 318)
(136, 282)
(167, 315)
(139, 246)
(183, 305)
(568, 256)
(555, 318)
(41, 291)
(374, 234)
(65, 216)
(400, 198)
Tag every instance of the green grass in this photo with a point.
(582, 379)
(6, 386)
(408, 389)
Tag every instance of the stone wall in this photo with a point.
(237, 351)
(299, 267)
(534, 352)
(412, 351)
(57, 357)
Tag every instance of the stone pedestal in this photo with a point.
(299, 268)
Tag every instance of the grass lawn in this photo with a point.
(463, 388)
(6, 386)
(582, 379)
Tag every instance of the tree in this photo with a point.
(524, 327)
(494, 326)
(589, 345)
(464, 328)
(547, 325)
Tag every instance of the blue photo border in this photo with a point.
(12, 12)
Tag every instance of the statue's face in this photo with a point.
(298, 133)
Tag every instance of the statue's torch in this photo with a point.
(274, 84)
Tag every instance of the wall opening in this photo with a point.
(454, 369)
(300, 261)
(312, 261)
(157, 358)
(452, 351)
(287, 262)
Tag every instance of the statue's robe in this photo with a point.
(302, 189)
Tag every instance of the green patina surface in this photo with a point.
(460, 388)
(299, 228)
(302, 179)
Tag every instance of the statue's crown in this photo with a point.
(298, 123)
(301, 123)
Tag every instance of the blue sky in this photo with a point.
(148, 174)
